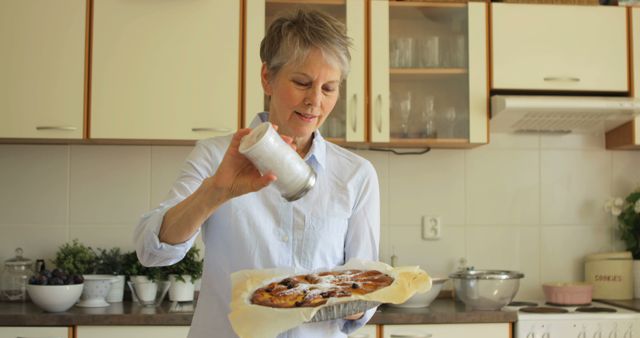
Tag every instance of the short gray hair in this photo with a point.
(290, 38)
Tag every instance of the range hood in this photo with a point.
(560, 114)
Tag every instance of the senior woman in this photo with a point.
(245, 223)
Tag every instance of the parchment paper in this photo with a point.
(256, 321)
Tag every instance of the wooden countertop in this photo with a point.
(442, 311)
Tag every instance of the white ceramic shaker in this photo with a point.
(270, 153)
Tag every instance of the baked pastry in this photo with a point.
(315, 289)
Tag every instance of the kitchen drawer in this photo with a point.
(35, 332)
(142, 331)
(498, 330)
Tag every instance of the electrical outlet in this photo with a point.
(431, 227)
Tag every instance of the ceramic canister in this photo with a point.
(611, 274)
(270, 153)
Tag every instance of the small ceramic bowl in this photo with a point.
(568, 293)
(96, 289)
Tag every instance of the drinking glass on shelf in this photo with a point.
(401, 52)
(450, 117)
(428, 117)
(429, 52)
(405, 114)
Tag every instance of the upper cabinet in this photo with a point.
(428, 74)
(167, 70)
(42, 67)
(559, 47)
(347, 121)
(627, 136)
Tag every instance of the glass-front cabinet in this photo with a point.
(428, 74)
(418, 71)
(347, 121)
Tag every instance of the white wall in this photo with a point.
(527, 203)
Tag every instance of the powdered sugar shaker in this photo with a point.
(270, 153)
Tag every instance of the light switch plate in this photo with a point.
(431, 227)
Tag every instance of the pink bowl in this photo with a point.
(572, 293)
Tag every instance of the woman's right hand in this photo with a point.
(236, 175)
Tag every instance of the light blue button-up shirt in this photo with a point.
(337, 220)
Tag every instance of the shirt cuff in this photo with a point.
(157, 253)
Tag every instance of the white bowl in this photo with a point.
(55, 298)
(424, 299)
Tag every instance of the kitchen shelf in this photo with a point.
(307, 2)
(427, 4)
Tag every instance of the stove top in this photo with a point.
(540, 319)
(542, 310)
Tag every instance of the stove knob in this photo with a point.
(546, 335)
(531, 335)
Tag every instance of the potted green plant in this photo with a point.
(143, 281)
(627, 213)
(183, 275)
(111, 262)
(75, 258)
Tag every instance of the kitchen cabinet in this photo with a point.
(456, 81)
(165, 70)
(428, 74)
(367, 331)
(43, 69)
(35, 332)
(559, 47)
(498, 330)
(347, 121)
(141, 331)
(627, 136)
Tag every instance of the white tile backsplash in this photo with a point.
(166, 163)
(574, 186)
(564, 247)
(525, 202)
(429, 184)
(109, 184)
(438, 258)
(34, 184)
(503, 187)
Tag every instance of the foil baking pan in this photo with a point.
(341, 310)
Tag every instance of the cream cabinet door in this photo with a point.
(502, 330)
(559, 47)
(379, 58)
(42, 67)
(347, 120)
(132, 331)
(367, 331)
(34, 332)
(165, 70)
(428, 74)
(627, 136)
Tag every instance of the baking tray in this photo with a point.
(341, 310)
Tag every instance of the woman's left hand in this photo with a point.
(355, 316)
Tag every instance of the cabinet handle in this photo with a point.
(63, 128)
(561, 79)
(219, 130)
(410, 335)
(354, 112)
(379, 112)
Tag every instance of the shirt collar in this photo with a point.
(316, 157)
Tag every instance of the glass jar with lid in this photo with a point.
(15, 275)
